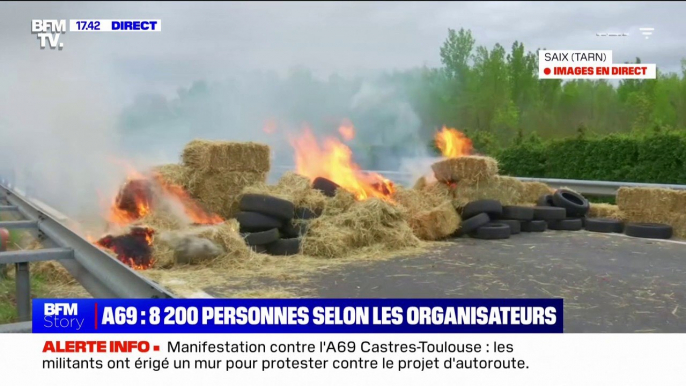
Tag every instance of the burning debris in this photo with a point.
(333, 160)
(133, 248)
(328, 208)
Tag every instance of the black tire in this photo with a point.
(284, 247)
(490, 207)
(492, 231)
(261, 238)
(575, 204)
(649, 230)
(306, 214)
(515, 225)
(604, 225)
(534, 226)
(325, 185)
(549, 213)
(473, 224)
(570, 224)
(268, 205)
(256, 222)
(291, 230)
(521, 213)
(545, 200)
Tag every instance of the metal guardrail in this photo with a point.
(103, 276)
(99, 273)
(591, 188)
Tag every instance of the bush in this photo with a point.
(656, 158)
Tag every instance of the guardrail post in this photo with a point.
(23, 282)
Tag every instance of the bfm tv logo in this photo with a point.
(62, 315)
(41, 28)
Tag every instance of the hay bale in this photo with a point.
(654, 205)
(172, 174)
(225, 156)
(533, 190)
(420, 183)
(220, 192)
(468, 169)
(651, 199)
(507, 190)
(160, 220)
(605, 211)
(373, 223)
(429, 212)
(340, 203)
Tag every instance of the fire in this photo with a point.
(133, 248)
(347, 130)
(453, 143)
(133, 201)
(191, 208)
(333, 160)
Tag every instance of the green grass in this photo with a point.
(8, 301)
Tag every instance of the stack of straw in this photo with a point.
(664, 206)
(429, 211)
(474, 178)
(218, 171)
(374, 225)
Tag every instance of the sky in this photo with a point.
(58, 108)
(209, 39)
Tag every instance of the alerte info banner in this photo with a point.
(360, 316)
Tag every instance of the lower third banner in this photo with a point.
(297, 315)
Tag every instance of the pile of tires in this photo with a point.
(490, 220)
(272, 225)
(576, 208)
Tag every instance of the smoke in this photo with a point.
(73, 122)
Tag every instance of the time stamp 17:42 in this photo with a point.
(115, 25)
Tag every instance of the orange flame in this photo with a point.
(138, 195)
(143, 252)
(347, 130)
(333, 160)
(453, 143)
(191, 208)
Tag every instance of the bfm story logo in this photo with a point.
(62, 315)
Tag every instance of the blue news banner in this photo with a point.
(297, 316)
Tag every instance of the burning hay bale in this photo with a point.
(654, 205)
(605, 211)
(372, 223)
(507, 190)
(224, 156)
(429, 212)
(172, 174)
(532, 191)
(468, 169)
(132, 247)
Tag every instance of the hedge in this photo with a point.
(658, 158)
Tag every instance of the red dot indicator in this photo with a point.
(546, 71)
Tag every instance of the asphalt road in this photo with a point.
(609, 283)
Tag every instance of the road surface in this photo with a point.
(610, 283)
